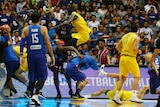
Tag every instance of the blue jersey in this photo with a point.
(88, 60)
(9, 52)
(35, 40)
(157, 62)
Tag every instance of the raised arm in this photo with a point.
(71, 18)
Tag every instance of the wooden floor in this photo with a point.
(50, 102)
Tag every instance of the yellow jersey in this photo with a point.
(127, 44)
(17, 51)
(80, 24)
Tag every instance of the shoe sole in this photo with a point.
(42, 96)
(36, 103)
(116, 102)
(135, 101)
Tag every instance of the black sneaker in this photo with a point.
(27, 94)
(71, 93)
(41, 95)
(76, 96)
(58, 97)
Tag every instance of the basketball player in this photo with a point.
(78, 22)
(36, 37)
(75, 64)
(124, 95)
(153, 72)
(3, 45)
(128, 47)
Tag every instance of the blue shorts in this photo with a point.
(37, 67)
(11, 67)
(154, 81)
(74, 73)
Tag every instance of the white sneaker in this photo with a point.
(36, 100)
(101, 72)
(32, 103)
(135, 99)
(117, 100)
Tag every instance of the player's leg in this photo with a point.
(56, 82)
(135, 72)
(76, 75)
(41, 76)
(69, 84)
(81, 85)
(19, 75)
(144, 90)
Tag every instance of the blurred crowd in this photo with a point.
(109, 20)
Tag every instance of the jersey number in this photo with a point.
(35, 39)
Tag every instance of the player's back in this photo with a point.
(127, 44)
(80, 24)
(35, 40)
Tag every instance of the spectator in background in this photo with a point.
(85, 49)
(102, 11)
(111, 41)
(154, 28)
(124, 20)
(95, 12)
(15, 24)
(103, 53)
(147, 31)
(16, 36)
(152, 15)
(148, 6)
(19, 6)
(118, 33)
(48, 8)
(55, 2)
(4, 19)
(94, 38)
(88, 7)
(82, 6)
(43, 19)
(100, 31)
(93, 22)
(53, 20)
(121, 11)
(58, 12)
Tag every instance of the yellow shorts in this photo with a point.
(24, 66)
(82, 38)
(127, 65)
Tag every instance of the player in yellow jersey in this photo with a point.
(23, 67)
(128, 47)
(78, 22)
(124, 94)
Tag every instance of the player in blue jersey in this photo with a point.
(36, 38)
(153, 72)
(74, 65)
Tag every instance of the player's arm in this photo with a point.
(22, 42)
(48, 44)
(71, 48)
(119, 46)
(9, 35)
(71, 18)
(136, 45)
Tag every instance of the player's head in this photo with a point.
(134, 27)
(35, 17)
(70, 9)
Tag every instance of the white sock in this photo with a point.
(117, 93)
(134, 92)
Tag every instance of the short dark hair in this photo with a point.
(35, 16)
(70, 9)
(101, 40)
(134, 27)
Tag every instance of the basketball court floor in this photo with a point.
(50, 102)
